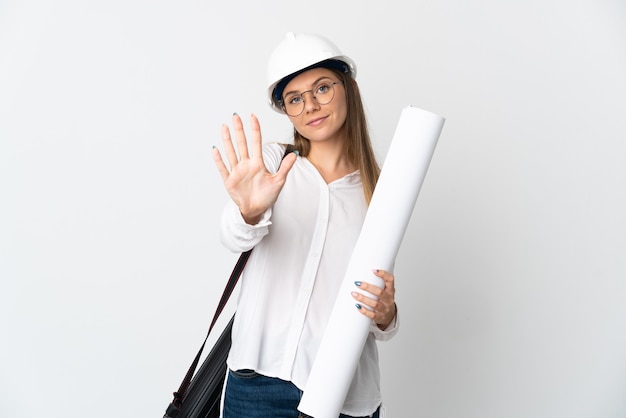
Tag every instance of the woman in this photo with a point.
(302, 211)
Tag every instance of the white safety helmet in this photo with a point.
(299, 52)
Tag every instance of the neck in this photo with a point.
(330, 161)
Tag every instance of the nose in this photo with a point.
(310, 104)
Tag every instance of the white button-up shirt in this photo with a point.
(302, 247)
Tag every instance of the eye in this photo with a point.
(293, 100)
(322, 88)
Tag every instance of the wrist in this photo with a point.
(251, 219)
(387, 324)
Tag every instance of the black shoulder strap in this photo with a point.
(179, 395)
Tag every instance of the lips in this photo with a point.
(316, 121)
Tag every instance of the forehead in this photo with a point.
(304, 80)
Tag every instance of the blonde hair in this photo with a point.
(358, 146)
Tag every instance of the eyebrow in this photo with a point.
(312, 84)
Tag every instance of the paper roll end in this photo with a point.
(426, 112)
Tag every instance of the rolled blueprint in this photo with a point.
(411, 149)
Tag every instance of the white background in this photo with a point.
(512, 275)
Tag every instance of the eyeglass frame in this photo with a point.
(301, 95)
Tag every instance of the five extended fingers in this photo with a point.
(235, 155)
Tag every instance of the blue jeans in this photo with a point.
(252, 395)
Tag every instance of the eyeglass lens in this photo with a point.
(323, 93)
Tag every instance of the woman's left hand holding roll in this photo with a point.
(383, 310)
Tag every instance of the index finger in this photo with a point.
(387, 277)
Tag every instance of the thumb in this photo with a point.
(286, 165)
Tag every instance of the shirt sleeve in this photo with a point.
(389, 332)
(236, 234)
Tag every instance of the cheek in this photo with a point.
(342, 109)
(297, 123)
(342, 115)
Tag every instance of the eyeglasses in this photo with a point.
(323, 93)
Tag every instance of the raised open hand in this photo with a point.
(248, 182)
